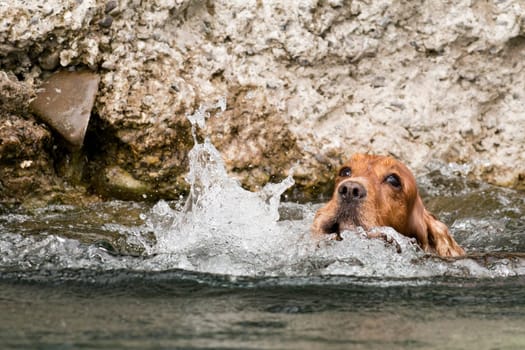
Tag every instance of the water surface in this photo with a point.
(177, 309)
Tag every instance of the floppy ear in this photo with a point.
(439, 237)
(432, 234)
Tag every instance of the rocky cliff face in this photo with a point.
(305, 83)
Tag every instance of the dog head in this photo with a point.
(373, 191)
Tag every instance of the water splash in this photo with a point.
(225, 229)
(222, 228)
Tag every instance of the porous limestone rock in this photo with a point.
(307, 83)
(28, 168)
(25, 164)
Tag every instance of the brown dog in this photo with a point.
(372, 191)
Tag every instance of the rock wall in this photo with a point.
(306, 84)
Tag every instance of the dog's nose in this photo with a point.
(350, 190)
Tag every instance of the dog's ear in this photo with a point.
(432, 234)
(440, 238)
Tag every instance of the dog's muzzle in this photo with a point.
(351, 191)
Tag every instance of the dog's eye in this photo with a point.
(393, 180)
(345, 172)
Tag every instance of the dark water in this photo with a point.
(74, 309)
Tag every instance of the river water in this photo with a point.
(227, 268)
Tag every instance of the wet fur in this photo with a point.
(384, 205)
